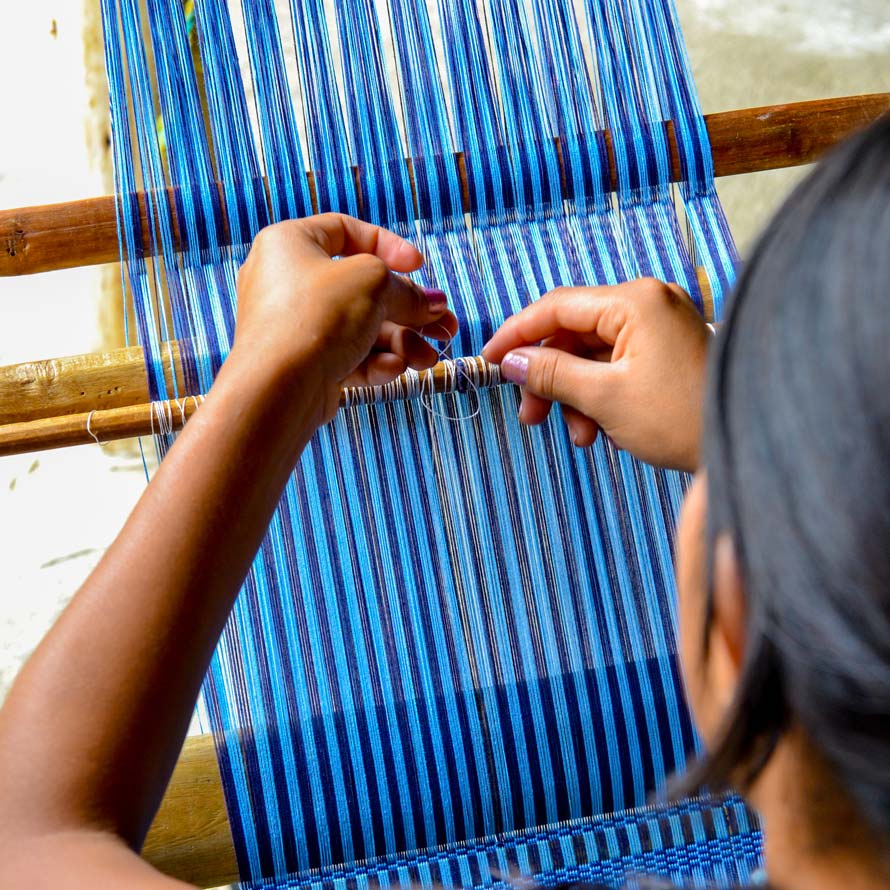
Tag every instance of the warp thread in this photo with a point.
(380, 689)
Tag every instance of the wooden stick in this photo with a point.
(190, 838)
(150, 418)
(83, 233)
(78, 384)
(96, 427)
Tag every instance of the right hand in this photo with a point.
(334, 323)
(629, 360)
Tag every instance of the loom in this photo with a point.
(501, 698)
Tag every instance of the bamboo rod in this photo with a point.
(83, 233)
(151, 418)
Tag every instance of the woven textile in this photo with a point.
(456, 647)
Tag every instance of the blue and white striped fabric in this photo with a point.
(454, 659)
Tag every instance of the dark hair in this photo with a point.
(797, 447)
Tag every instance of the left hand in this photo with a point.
(627, 359)
(351, 320)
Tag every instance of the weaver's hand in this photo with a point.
(628, 360)
(349, 321)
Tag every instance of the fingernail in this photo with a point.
(438, 299)
(515, 367)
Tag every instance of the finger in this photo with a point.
(560, 377)
(401, 300)
(340, 235)
(442, 329)
(582, 430)
(602, 311)
(413, 306)
(678, 291)
(378, 369)
(584, 345)
(411, 347)
(533, 409)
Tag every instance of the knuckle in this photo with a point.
(372, 269)
(545, 373)
(266, 238)
(561, 293)
(259, 240)
(655, 293)
(650, 287)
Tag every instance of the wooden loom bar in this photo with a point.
(83, 233)
(99, 426)
(78, 384)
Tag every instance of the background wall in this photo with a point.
(60, 510)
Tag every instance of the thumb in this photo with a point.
(559, 376)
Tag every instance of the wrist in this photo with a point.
(292, 395)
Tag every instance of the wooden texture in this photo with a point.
(78, 384)
(190, 838)
(788, 135)
(99, 427)
(83, 233)
(95, 427)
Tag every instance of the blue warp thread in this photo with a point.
(454, 659)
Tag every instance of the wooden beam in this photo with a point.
(190, 838)
(96, 427)
(789, 135)
(83, 233)
(78, 384)
(149, 418)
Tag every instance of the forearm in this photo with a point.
(92, 727)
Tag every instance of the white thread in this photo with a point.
(165, 418)
(457, 367)
(413, 384)
(182, 404)
(89, 420)
(163, 414)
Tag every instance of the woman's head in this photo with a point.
(785, 547)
